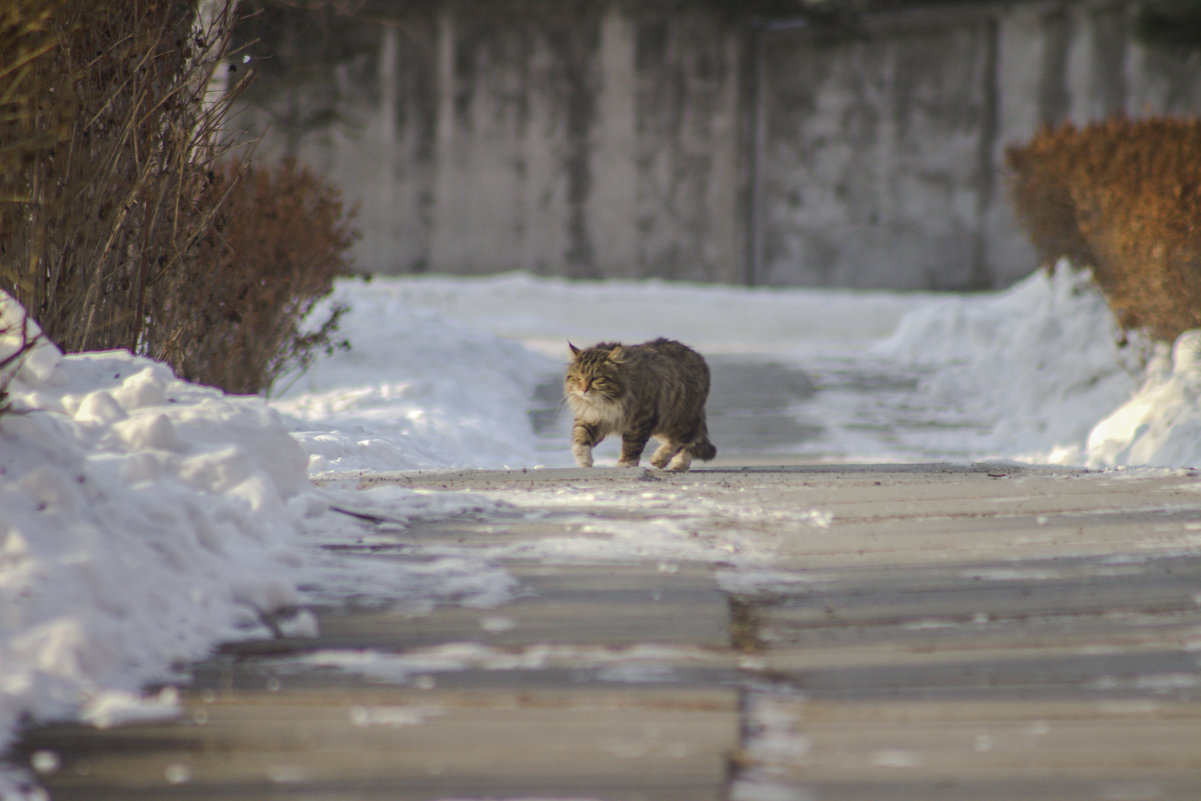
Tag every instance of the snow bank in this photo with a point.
(1039, 364)
(142, 519)
(417, 390)
(1044, 364)
(443, 368)
(1161, 425)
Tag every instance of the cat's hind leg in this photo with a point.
(681, 462)
(634, 439)
(631, 451)
(667, 453)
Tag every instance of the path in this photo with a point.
(856, 632)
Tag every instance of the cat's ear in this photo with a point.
(574, 350)
(617, 355)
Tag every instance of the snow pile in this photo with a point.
(142, 519)
(1161, 424)
(416, 390)
(1038, 364)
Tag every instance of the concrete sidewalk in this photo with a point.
(904, 632)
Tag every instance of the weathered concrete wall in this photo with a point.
(882, 155)
(873, 165)
(635, 139)
(584, 140)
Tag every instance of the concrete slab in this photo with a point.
(1013, 748)
(612, 606)
(372, 743)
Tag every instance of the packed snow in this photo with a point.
(143, 518)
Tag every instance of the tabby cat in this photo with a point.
(638, 391)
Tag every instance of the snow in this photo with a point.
(1020, 374)
(417, 390)
(144, 519)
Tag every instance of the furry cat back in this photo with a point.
(654, 389)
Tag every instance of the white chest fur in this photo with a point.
(608, 415)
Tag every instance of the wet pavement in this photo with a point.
(818, 632)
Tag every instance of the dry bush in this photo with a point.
(1124, 198)
(106, 133)
(276, 245)
(113, 232)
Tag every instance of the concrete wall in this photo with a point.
(588, 140)
(882, 161)
(638, 139)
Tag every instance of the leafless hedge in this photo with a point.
(112, 190)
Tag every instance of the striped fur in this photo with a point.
(654, 389)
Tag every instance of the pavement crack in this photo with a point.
(745, 624)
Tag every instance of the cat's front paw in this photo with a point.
(627, 463)
(583, 455)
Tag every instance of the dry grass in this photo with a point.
(110, 135)
(1124, 198)
(112, 229)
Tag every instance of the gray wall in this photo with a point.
(651, 139)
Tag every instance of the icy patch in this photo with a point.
(394, 716)
(1163, 683)
(521, 798)
(362, 554)
(632, 664)
(767, 581)
(116, 707)
(1012, 574)
(679, 526)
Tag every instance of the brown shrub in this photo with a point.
(1122, 197)
(276, 245)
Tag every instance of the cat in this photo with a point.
(654, 389)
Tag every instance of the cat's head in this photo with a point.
(594, 374)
